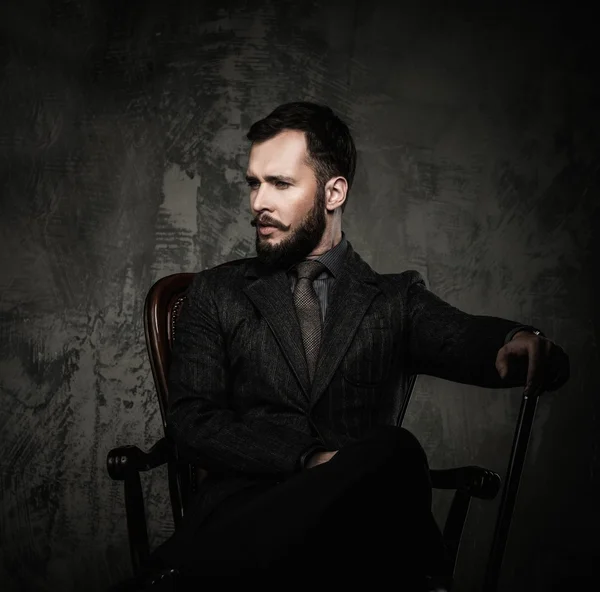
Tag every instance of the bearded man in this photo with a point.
(288, 375)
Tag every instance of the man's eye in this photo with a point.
(282, 184)
(253, 184)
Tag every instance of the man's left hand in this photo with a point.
(544, 363)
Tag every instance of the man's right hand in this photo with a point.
(318, 458)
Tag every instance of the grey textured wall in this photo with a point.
(122, 135)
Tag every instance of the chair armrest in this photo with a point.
(474, 481)
(123, 459)
(125, 463)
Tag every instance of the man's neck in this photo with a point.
(328, 242)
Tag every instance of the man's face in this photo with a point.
(287, 203)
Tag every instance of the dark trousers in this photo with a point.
(364, 516)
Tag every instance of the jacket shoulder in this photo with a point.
(228, 273)
(233, 267)
(401, 282)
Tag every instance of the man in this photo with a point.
(287, 382)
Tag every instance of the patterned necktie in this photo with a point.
(309, 311)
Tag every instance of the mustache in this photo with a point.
(268, 221)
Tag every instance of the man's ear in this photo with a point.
(335, 192)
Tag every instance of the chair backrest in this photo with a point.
(162, 307)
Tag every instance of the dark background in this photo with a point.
(122, 160)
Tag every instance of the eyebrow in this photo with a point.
(272, 178)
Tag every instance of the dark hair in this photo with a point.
(330, 146)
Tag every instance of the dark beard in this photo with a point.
(300, 243)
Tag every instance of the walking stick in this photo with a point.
(509, 493)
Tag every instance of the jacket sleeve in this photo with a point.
(448, 343)
(199, 418)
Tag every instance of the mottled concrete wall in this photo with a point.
(122, 135)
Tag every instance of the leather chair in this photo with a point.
(163, 305)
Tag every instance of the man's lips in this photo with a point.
(266, 229)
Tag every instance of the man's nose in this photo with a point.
(262, 199)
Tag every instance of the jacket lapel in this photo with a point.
(352, 294)
(271, 295)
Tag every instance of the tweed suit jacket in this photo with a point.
(241, 403)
